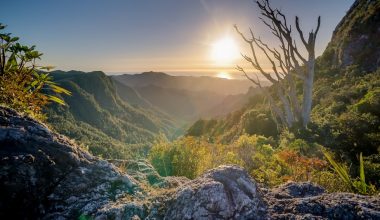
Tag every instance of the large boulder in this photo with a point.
(43, 174)
(226, 192)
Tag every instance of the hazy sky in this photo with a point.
(144, 35)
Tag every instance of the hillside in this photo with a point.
(96, 116)
(131, 96)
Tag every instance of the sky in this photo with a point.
(132, 36)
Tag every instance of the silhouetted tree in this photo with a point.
(288, 66)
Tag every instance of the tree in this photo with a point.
(24, 85)
(288, 67)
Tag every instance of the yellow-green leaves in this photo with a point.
(56, 99)
(58, 89)
(356, 186)
(362, 175)
(340, 169)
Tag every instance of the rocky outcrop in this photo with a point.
(355, 40)
(43, 175)
(308, 201)
(226, 192)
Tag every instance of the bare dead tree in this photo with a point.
(288, 66)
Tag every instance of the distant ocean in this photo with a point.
(233, 75)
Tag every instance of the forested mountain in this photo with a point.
(97, 116)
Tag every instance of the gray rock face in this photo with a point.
(226, 192)
(46, 176)
(43, 174)
(295, 201)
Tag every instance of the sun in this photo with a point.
(224, 75)
(224, 51)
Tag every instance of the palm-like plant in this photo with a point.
(24, 85)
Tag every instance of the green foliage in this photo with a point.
(24, 85)
(341, 170)
(260, 156)
(370, 103)
(85, 217)
(347, 116)
(259, 122)
(179, 158)
(362, 175)
(197, 129)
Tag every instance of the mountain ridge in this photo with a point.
(96, 105)
(202, 83)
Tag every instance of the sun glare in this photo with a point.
(224, 75)
(224, 51)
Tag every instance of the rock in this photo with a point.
(226, 192)
(45, 175)
(308, 201)
(296, 190)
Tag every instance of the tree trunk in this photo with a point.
(308, 91)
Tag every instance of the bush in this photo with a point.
(266, 163)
